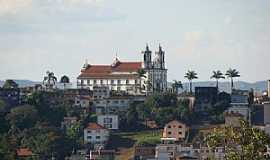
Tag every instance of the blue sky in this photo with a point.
(201, 35)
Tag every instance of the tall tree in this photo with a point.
(176, 85)
(190, 75)
(49, 80)
(10, 84)
(141, 73)
(217, 75)
(243, 143)
(23, 116)
(232, 73)
(64, 80)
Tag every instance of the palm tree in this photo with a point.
(217, 75)
(232, 73)
(141, 73)
(64, 80)
(190, 75)
(50, 80)
(176, 85)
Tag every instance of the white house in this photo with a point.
(108, 121)
(96, 134)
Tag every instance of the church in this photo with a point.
(124, 76)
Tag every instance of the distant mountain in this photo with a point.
(22, 83)
(223, 86)
(29, 83)
(226, 86)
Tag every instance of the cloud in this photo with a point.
(14, 6)
(36, 16)
(8, 7)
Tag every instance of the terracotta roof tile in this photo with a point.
(95, 126)
(105, 71)
(24, 152)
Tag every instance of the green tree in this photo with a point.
(190, 75)
(176, 85)
(232, 73)
(3, 122)
(164, 115)
(132, 118)
(7, 151)
(45, 141)
(49, 80)
(10, 84)
(217, 75)
(243, 143)
(64, 80)
(23, 116)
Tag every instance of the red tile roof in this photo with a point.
(105, 71)
(24, 152)
(95, 126)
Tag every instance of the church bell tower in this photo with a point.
(147, 58)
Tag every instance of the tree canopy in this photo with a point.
(242, 143)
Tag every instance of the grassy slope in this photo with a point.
(126, 141)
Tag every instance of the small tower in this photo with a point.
(86, 65)
(116, 61)
(147, 58)
(160, 61)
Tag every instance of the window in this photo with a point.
(118, 88)
(108, 126)
(136, 81)
(101, 81)
(107, 120)
(179, 132)
(89, 137)
(180, 126)
(169, 132)
(88, 82)
(97, 137)
(118, 81)
(112, 81)
(169, 126)
(95, 81)
(127, 81)
(88, 132)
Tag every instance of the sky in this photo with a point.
(200, 35)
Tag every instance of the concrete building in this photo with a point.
(108, 121)
(240, 96)
(261, 114)
(181, 151)
(174, 130)
(205, 97)
(83, 101)
(233, 119)
(96, 134)
(268, 88)
(123, 76)
(112, 105)
(101, 92)
(241, 108)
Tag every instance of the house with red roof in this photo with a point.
(24, 152)
(123, 76)
(96, 134)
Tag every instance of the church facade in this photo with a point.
(124, 76)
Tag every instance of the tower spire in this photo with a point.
(147, 47)
(159, 46)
